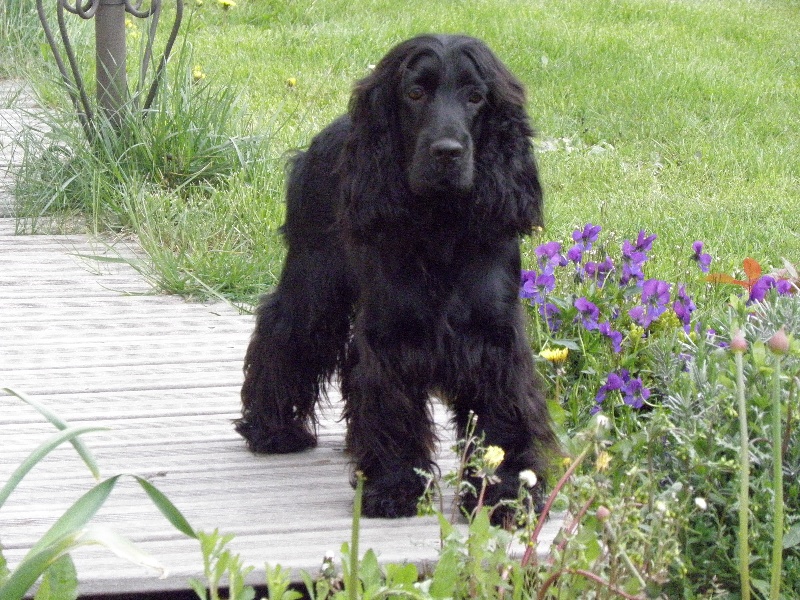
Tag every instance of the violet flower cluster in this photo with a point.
(633, 391)
(654, 297)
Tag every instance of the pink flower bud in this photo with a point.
(603, 513)
(738, 343)
(779, 342)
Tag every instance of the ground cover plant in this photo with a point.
(656, 294)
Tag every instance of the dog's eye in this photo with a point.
(475, 97)
(416, 93)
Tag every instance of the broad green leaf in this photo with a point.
(59, 582)
(77, 516)
(401, 575)
(369, 571)
(167, 508)
(58, 422)
(39, 453)
(792, 537)
(447, 575)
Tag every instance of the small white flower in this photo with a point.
(528, 478)
(701, 503)
(661, 506)
(603, 422)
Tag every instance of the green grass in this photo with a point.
(680, 118)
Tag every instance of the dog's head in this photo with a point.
(442, 118)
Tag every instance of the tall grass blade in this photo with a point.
(77, 516)
(37, 455)
(58, 422)
(167, 508)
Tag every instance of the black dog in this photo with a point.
(403, 227)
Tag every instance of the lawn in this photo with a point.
(675, 118)
(679, 118)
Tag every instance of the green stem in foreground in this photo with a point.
(352, 591)
(744, 481)
(777, 476)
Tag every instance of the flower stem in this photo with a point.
(744, 482)
(777, 476)
(352, 592)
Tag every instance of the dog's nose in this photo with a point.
(447, 149)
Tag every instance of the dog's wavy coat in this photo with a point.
(403, 226)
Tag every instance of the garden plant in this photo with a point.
(662, 297)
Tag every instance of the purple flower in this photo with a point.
(549, 255)
(584, 239)
(614, 336)
(655, 296)
(550, 313)
(614, 382)
(644, 243)
(600, 272)
(702, 259)
(632, 261)
(760, 288)
(634, 393)
(536, 286)
(684, 307)
(589, 313)
(575, 254)
(784, 287)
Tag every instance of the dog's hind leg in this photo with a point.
(300, 336)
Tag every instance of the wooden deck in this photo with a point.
(93, 342)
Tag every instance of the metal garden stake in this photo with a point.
(112, 83)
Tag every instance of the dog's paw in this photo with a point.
(391, 498)
(276, 441)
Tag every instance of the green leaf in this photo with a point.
(39, 453)
(792, 537)
(370, 571)
(79, 446)
(447, 575)
(36, 563)
(119, 545)
(59, 582)
(33, 565)
(567, 344)
(77, 515)
(4, 572)
(167, 508)
(401, 575)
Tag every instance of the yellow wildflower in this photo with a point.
(555, 355)
(197, 73)
(291, 82)
(603, 461)
(493, 456)
(226, 4)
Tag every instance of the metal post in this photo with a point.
(112, 82)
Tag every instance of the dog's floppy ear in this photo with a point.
(508, 192)
(373, 181)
